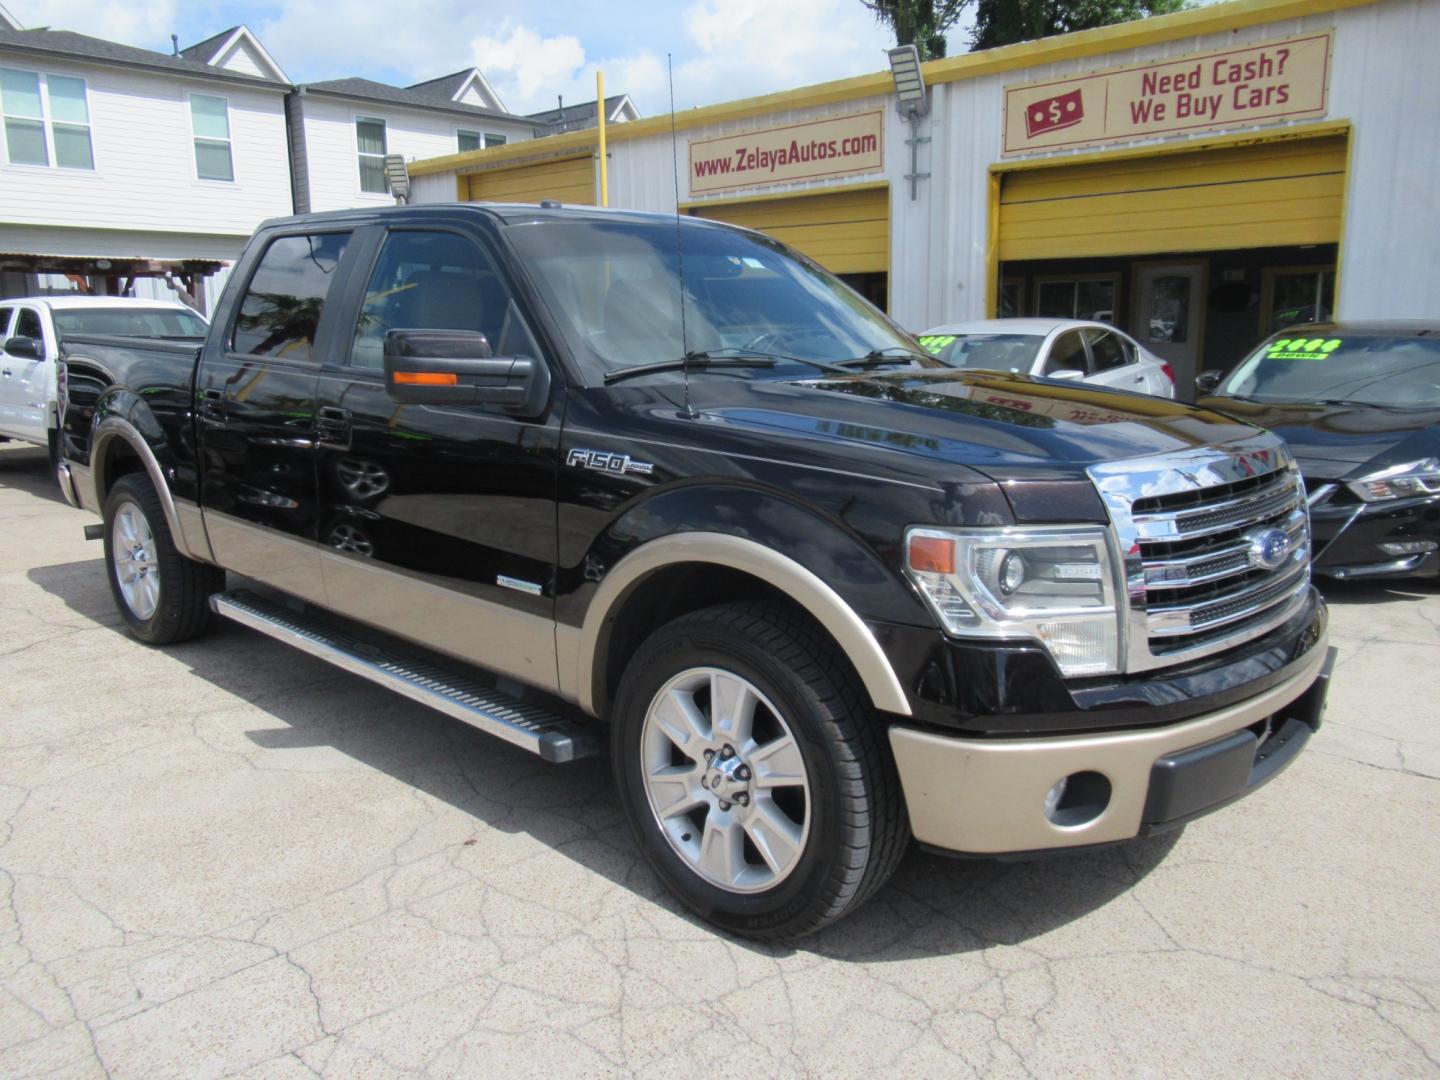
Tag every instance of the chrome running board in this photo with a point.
(415, 674)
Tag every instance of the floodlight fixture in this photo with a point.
(909, 80)
(397, 175)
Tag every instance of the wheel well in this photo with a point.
(119, 459)
(677, 590)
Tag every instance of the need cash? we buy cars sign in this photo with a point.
(1234, 87)
(834, 146)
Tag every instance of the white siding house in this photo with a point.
(184, 160)
(343, 119)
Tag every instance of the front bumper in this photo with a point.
(1347, 538)
(989, 796)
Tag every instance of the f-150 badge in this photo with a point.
(607, 462)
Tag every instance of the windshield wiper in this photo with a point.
(690, 362)
(724, 357)
(877, 357)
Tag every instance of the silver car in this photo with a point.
(1091, 352)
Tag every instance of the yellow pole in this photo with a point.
(600, 123)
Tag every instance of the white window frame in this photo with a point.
(355, 121)
(479, 138)
(229, 143)
(47, 123)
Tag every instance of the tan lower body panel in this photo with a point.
(988, 796)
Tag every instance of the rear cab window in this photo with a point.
(280, 312)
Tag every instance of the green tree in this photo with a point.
(921, 23)
(1004, 22)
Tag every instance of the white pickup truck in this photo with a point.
(31, 329)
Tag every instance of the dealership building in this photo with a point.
(1198, 179)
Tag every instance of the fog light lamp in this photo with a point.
(1409, 547)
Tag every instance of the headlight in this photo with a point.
(1400, 481)
(1054, 585)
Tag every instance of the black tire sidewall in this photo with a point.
(138, 492)
(655, 664)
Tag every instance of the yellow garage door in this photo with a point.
(1273, 195)
(570, 180)
(847, 232)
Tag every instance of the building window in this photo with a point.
(370, 140)
(1293, 295)
(495, 140)
(469, 140)
(25, 98)
(210, 121)
(1088, 296)
(1011, 299)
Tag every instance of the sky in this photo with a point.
(530, 52)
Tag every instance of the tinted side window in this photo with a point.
(1068, 352)
(436, 281)
(281, 307)
(28, 324)
(1108, 350)
(5, 314)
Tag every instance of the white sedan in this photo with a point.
(1091, 352)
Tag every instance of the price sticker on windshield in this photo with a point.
(1302, 349)
(935, 343)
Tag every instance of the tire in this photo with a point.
(163, 596)
(842, 828)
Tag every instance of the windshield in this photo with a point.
(992, 352)
(615, 288)
(129, 322)
(1393, 372)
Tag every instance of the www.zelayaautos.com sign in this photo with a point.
(835, 146)
(1234, 87)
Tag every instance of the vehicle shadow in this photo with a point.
(934, 906)
(27, 468)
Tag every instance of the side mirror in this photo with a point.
(27, 347)
(1207, 381)
(1066, 375)
(456, 367)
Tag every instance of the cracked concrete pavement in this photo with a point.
(229, 859)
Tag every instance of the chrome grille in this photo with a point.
(1190, 528)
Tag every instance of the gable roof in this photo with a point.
(205, 50)
(413, 96)
(214, 49)
(581, 114)
(452, 87)
(65, 43)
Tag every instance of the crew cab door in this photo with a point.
(255, 408)
(439, 520)
(1114, 361)
(25, 380)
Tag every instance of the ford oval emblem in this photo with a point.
(1268, 547)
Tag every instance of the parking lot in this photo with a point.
(228, 858)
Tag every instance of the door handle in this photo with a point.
(332, 424)
(211, 406)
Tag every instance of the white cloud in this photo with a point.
(732, 48)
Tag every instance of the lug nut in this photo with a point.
(743, 799)
(743, 772)
(728, 751)
(724, 805)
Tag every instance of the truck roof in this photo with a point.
(63, 301)
(507, 213)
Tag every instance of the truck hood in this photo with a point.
(1337, 442)
(1006, 427)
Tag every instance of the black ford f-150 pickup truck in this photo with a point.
(570, 475)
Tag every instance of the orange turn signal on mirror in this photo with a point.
(932, 554)
(425, 378)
